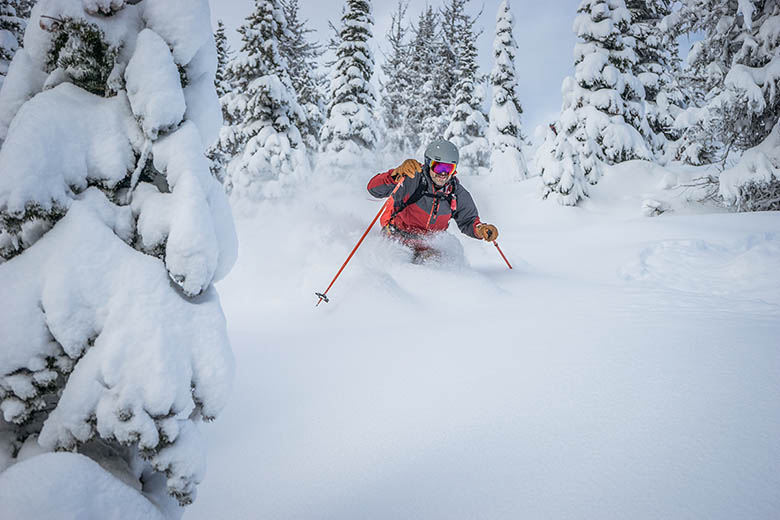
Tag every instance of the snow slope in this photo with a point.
(627, 368)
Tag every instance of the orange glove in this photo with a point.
(407, 169)
(487, 232)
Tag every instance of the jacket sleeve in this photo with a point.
(466, 214)
(382, 185)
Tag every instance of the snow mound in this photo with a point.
(739, 268)
(69, 486)
(641, 188)
(757, 171)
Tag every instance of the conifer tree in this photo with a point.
(451, 19)
(602, 118)
(349, 132)
(116, 349)
(505, 134)
(468, 124)
(223, 57)
(302, 55)
(263, 114)
(13, 20)
(428, 104)
(733, 70)
(396, 88)
(658, 68)
(218, 154)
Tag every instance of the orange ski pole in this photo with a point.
(495, 243)
(323, 295)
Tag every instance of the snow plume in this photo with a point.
(262, 112)
(113, 232)
(602, 119)
(505, 134)
(350, 132)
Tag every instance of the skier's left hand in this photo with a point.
(487, 232)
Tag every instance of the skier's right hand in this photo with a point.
(408, 168)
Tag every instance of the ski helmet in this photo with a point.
(442, 150)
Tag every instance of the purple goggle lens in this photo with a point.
(442, 167)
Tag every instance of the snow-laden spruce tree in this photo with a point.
(736, 64)
(112, 234)
(302, 56)
(505, 133)
(217, 154)
(602, 118)
(349, 135)
(657, 67)
(396, 87)
(468, 125)
(223, 58)
(13, 20)
(428, 104)
(262, 112)
(740, 56)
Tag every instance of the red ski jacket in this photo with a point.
(433, 210)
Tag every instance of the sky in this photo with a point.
(543, 31)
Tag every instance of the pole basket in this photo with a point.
(322, 297)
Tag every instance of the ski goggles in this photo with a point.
(443, 167)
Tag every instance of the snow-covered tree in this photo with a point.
(13, 20)
(113, 232)
(602, 118)
(217, 154)
(505, 134)
(223, 57)
(396, 87)
(262, 111)
(739, 57)
(349, 132)
(451, 17)
(428, 104)
(657, 67)
(736, 66)
(468, 124)
(302, 56)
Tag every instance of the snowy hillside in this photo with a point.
(626, 368)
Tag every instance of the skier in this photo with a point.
(425, 203)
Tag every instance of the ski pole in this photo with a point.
(495, 243)
(323, 295)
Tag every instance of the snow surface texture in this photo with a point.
(114, 343)
(626, 368)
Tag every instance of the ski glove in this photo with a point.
(407, 169)
(487, 232)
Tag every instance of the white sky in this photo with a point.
(542, 31)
